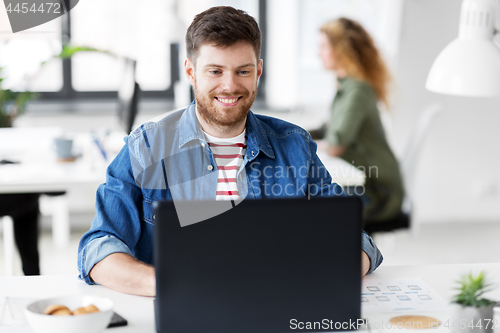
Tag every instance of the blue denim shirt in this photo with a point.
(169, 159)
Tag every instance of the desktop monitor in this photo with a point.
(128, 96)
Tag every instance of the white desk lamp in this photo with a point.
(470, 65)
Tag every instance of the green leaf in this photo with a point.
(471, 288)
(69, 50)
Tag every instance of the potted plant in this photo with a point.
(12, 103)
(470, 311)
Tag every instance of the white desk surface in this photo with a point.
(53, 177)
(442, 278)
(138, 311)
(342, 173)
(140, 314)
(39, 170)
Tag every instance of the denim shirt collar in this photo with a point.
(257, 139)
(189, 129)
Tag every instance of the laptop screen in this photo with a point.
(281, 265)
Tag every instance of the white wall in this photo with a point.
(457, 173)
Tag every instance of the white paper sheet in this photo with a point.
(399, 295)
(12, 317)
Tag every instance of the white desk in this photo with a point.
(40, 172)
(442, 278)
(342, 172)
(140, 313)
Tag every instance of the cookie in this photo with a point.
(61, 312)
(92, 308)
(79, 311)
(414, 322)
(85, 310)
(55, 307)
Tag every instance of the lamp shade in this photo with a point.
(466, 67)
(470, 65)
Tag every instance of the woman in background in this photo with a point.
(355, 132)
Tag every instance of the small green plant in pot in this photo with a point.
(471, 312)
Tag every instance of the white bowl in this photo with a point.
(88, 323)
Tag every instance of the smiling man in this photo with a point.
(215, 149)
(225, 86)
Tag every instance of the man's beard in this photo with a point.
(218, 115)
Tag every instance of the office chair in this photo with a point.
(401, 221)
(408, 164)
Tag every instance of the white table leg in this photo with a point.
(60, 221)
(8, 244)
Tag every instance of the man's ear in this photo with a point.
(189, 69)
(259, 68)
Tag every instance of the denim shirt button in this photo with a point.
(154, 217)
(253, 153)
(203, 144)
(210, 168)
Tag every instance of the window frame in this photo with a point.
(67, 91)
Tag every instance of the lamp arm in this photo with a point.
(496, 16)
(496, 22)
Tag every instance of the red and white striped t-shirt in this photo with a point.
(228, 155)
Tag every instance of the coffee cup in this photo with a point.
(64, 148)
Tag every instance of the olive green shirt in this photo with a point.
(355, 124)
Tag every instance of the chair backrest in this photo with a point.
(410, 159)
(408, 163)
(414, 145)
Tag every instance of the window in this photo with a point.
(148, 31)
(22, 54)
(126, 28)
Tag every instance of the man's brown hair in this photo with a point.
(222, 26)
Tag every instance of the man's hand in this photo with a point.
(124, 273)
(365, 263)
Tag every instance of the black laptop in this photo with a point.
(281, 265)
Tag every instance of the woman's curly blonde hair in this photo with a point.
(356, 53)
